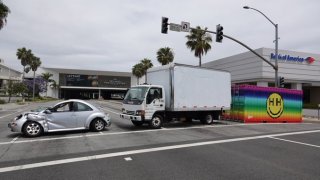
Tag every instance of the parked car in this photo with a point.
(64, 116)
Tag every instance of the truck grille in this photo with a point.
(130, 112)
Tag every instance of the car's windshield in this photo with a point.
(135, 95)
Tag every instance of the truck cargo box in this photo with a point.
(191, 88)
(265, 104)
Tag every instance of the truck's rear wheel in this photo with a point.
(156, 122)
(207, 119)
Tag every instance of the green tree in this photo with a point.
(14, 88)
(25, 56)
(47, 78)
(34, 64)
(4, 11)
(54, 85)
(199, 42)
(146, 64)
(137, 70)
(165, 55)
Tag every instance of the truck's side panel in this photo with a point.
(190, 88)
(199, 88)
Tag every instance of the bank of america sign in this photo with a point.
(289, 58)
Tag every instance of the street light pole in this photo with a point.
(276, 60)
(276, 81)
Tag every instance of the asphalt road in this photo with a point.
(224, 150)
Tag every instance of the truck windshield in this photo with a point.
(135, 95)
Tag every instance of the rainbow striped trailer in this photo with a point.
(251, 104)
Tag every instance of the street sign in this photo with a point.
(175, 27)
(185, 26)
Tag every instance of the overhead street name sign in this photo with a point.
(175, 27)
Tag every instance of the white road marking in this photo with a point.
(133, 132)
(101, 132)
(140, 151)
(13, 113)
(128, 159)
(8, 115)
(296, 142)
(108, 109)
(14, 139)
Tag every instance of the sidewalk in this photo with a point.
(310, 119)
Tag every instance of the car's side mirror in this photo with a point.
(47, 111)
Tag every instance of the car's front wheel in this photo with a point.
(32, 129)
(97, 125)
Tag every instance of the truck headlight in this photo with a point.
(140, 112)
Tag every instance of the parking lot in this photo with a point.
(224, 150)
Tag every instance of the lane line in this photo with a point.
(128, 159)
(14, 139)
(8, 115)
(108, 109)
(296, 142)
(14, 112)
(140, 151)
(133, 132)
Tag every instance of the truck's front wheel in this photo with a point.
(156, 122)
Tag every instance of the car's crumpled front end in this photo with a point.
(16, 124)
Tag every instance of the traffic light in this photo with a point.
(164, 25)
(281, 81)
(219, 33)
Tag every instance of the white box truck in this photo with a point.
(178, 92)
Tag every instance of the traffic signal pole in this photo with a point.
(247, 47)
(220, 35)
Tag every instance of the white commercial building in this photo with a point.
(300, 70)
(7, 74)
(87, 84)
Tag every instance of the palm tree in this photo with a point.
(199, 42)
(4, 11)
(146, 63)
(165, 55)
(47, 78)
(25, 56)
(34, 64)
(137, 70)
(54, 85)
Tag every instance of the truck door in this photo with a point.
(155, 101)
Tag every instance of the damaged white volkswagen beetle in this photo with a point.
(67, 115)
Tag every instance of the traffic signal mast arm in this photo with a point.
(239, 42)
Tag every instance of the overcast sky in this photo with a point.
(115, 35)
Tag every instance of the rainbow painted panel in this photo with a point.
(265, 104)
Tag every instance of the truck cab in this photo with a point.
(144, 104)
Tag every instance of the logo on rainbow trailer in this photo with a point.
(275, 105)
